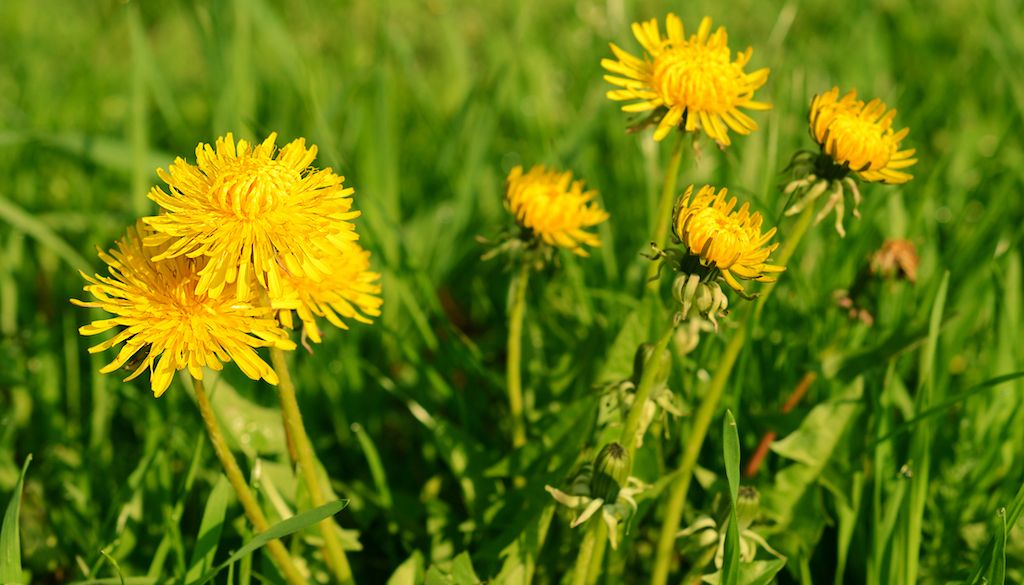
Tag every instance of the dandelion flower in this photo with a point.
(166, 326)
(349, 291)
(854, 137)
(251, 210)
(690, 82)
(860, 137)
(554, 208)
(729, 241)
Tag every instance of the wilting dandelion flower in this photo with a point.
(166, 325)
(550, 206)
(693, 83)
(251, 210)
(349, 291)
(854, 137)
(728, 241)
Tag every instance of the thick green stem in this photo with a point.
(515, 354)
(597, 559)
(707, 409)
(234, 474)
(334, 554)
(586, 554)
(665, 204)
(643, 392)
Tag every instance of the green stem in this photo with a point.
(707, 409)
(334, 554)
(643, 392)
(586, 554)
(234, 474)
(515, 354)
(597, 559)
(665, 204)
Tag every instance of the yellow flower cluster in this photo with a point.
(246, 236)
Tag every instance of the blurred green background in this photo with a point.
(425, 106)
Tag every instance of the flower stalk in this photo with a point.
(643, 392)
(234, 474)
(515, 353)
(709, 405)
(665, 205)
(334, 554)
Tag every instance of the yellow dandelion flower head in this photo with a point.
(695, 79)
(729, 240)
(349, 291)
(860, 136)
(166, 326)
(554, 207)
(251, 210)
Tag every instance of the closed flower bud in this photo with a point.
(662, 365)
(748, 506)
(611, 469)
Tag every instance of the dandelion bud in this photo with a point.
(611, 469)
(748, 506)
(662, 365)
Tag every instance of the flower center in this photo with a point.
(254, 187)
(697, 77)
(859, 142)
(717, 237)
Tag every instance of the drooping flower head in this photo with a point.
(727, 240)
(166, 326)
(854, 137)
(350, 291)
(251, 210)
(554, 208)
(690, 82)
(860, 137)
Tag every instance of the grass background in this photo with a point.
(425, 106)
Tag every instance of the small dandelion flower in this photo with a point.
(693, 83)
(854, 137)
(349, 291)
(166, 325)
(861, 137)
(550, 206)
(251, 210)
(728, 241)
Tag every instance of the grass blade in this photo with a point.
(731, 563)
(10, 538)
(279, 530)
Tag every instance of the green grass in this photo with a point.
(899, 461)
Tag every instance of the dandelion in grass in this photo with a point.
(165, 326)
(856, 139)
(553, 208)
(349, 291)
(706, 536)
(251, 210)
(606, 486)
(726, 240)
(690, 83)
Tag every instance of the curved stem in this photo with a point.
(334, 554)
(707, 408)
(234, 474)
(668, 197)
(643, 392)
(515, 354)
